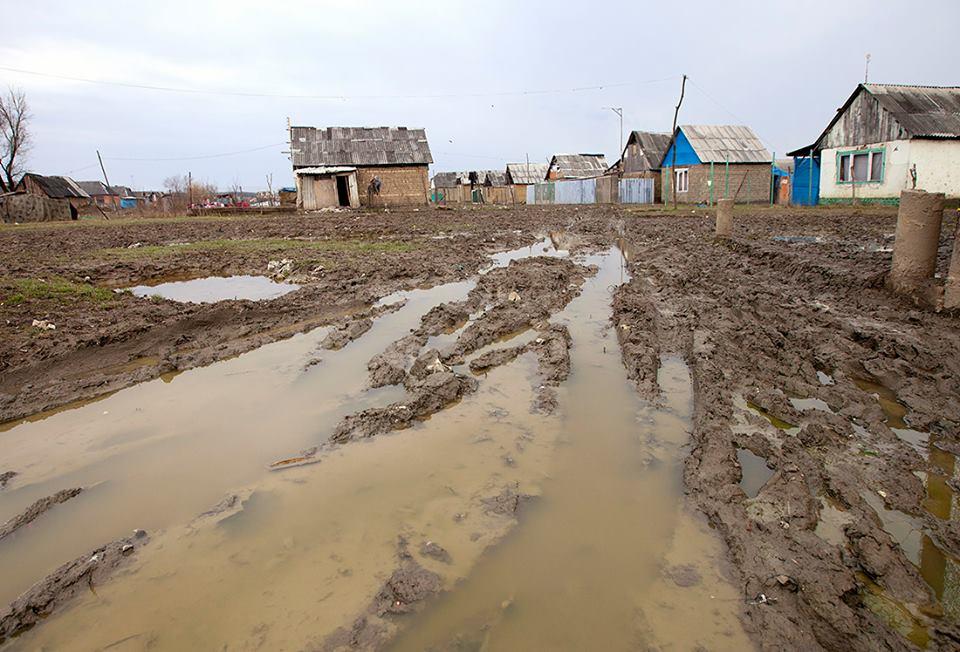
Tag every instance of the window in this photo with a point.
(876, 166)
(862, 166)
(683, 180)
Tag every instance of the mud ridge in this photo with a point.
(36, 510)
(54, 591)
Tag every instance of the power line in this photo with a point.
(229, 93)
(731, 113)
(197, 158)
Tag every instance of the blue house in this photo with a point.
(706, 162)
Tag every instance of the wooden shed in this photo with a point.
(61, 189)
(360, 166)
(576, 166)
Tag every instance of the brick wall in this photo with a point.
(403, 185)
(749, 183)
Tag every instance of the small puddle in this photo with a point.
(217, 288)
(803, 404)
(893, 612)
(833, 518)
(754, 472)
(774, 420)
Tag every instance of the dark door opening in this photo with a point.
(343, 191)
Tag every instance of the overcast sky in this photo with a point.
(470, 73)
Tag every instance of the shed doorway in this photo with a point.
(343, 192)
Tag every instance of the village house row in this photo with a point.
(885, 138)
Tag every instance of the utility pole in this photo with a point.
(866, 70)
(673, 162)
(189, 189)
(106, 180)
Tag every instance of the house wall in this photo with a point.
(400, 185)
(937, 163)
(864, 121)
(25, 207)
(749, 183)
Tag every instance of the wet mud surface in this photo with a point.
(770, 383)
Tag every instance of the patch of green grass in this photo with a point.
(261, 245)
(56, 289)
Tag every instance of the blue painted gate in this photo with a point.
(805, 191)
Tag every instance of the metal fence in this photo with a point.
(584, 191)
(636, 191)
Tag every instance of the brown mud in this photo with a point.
(846, 397)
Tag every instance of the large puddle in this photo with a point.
(605, 557)
(216, 288)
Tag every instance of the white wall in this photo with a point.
(938, 165)
(895, 173)
(937, 161)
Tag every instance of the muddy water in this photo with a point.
(216, 288)
(605, 558)
(159, 453)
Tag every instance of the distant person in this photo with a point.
(373, 189)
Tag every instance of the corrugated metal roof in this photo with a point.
(526, 173)
(359, 146)
(578, 166)
(923, 111)
(721, 143)
(58, 187)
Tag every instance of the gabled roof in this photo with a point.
(578, 166)
(922, 111)
(723, 143)
(451, 179)
(57, 187)
(526, 173)
(495, 178)
(94, 188)
(653, 146)
(359, 146)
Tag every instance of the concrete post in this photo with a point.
(724, 217)
(951, 293)
(917, 239)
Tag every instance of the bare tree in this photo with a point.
(15, 138)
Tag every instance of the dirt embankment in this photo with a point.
(766, 325)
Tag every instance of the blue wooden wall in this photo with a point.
(800, 192)
(685, 154)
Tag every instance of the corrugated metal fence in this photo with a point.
(584, 191)
(636, 191)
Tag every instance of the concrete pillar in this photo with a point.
(724, 218)
(951, 293)
(917, 239)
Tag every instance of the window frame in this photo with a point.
(685, 172)
(849, 155)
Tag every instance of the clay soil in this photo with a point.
(794, 306)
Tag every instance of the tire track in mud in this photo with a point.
(749, 327)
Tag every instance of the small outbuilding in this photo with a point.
(641, 158)
(714, 161)
(63, 190)
(576, 166)
(884, 139)
(100, 194)
(360, 166)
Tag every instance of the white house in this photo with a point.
(889, 137)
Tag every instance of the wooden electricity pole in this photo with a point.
(673, 163)
(106, 180)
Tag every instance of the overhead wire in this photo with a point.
(340, 96)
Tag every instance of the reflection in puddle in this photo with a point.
(894, 613)
(217, 288)
(811, 404)
(313, 544)
(754, 472)
(893, 408)
(833, 518)
(776, 421)
(595, 585)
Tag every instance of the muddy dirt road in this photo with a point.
(570, 428)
